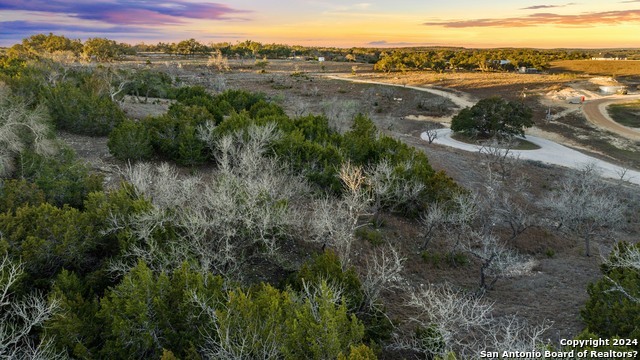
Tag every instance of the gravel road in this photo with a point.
(596, 112)
(550, 152)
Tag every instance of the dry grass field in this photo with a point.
(614, 68)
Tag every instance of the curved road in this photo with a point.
(459, 98)
(550, 152)
(596, 112)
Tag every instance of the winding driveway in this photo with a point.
(460, 99)
(550, 152)
(596, 112)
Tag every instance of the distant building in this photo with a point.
(608, 56)
(612, 89)
(320, 58)
(528, 70)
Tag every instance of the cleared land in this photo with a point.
(615, 68)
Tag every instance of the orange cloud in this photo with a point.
(540, 19)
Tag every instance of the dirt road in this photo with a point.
(460, 99)
(596, 112)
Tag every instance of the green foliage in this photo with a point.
(360, 143)
(327, 267)
(28, 83)
(150, 83)
(75, 328)
(371, 235)
(191, 150)
(438, 260)
(240, 99)
(18, 193)
(175, 136)
(320, 329)
(609, 312)
(362, 352)
(49, 238)
(470, 59)
(185, 93)
(83, 109)
(63, 179)
(145, 314)
(40, 43)
(102, 49)
(130, 141)
(493, 117)
(11, 66)
(186, 314)
(430, 340)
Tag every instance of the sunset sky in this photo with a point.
(468, 23)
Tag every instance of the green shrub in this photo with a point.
(326, 266)
(130, 141)
(371, 235)
(63, 179)
(49, 238)
(610, 312)
(362, 352)
(81, 111)
(18, 193)
(438, 260)
(147, 313)
(430, 340)
(191, 150)
(149, 83)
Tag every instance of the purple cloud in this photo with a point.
(9, 29)
(537, 7)
(581, 20)
(121, 12)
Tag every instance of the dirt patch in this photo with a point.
(139, 109)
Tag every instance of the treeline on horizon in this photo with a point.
(249, 249)
(385, 59)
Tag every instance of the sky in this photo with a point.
(340, 23)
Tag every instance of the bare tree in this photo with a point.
(499, 156)
(509, 203)
(334, 221)
(431, 131)
(586, 206)
(455, 321)
(19, 317)
(382, 181)
(218, 61)
(245, 208)
(340, 112)
(496, 260)
(382, 273)
(21, 128)
(449, 318)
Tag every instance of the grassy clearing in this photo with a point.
(519, 144)
(597, 67)
(627, 114)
